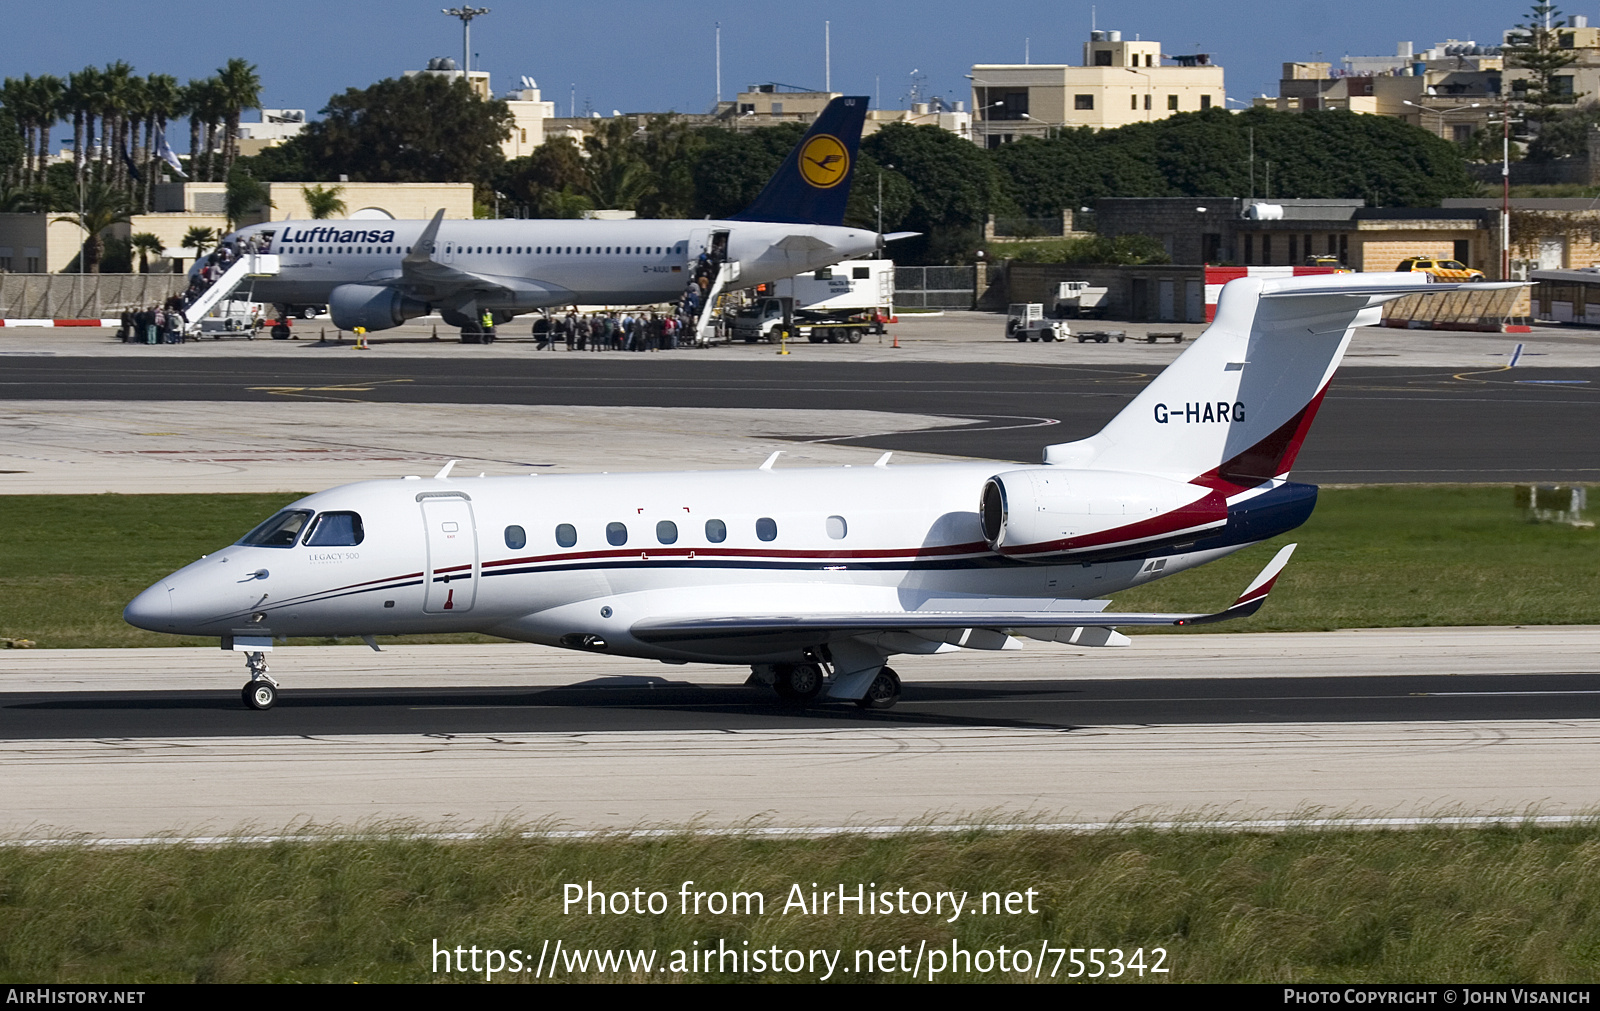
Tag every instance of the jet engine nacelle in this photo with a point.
(371, 307)
(1048, 510)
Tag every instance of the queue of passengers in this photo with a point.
(154, 324)
(613, 331)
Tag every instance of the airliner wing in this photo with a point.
(427, 280)
(940, 621)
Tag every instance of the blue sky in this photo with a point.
(637, 56)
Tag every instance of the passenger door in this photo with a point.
(451, 578)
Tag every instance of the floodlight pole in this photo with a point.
(1505, 190)
(466, 14)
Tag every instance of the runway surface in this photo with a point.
(1376, 425)
(123, 743)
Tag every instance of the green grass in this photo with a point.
(1403, 555)
(1518, 904)
(72, 562)
(1369, 557)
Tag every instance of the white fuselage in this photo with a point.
(565, 262)
(543, 559)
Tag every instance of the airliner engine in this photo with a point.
(371, 307)
(1046, 510)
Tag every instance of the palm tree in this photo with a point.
(14, 96)
(161, 94)
(114, 102)
(324, 201)
(81, 100)
(146, 243)
(133, 114)
(241, 89)
(103, 206)
(211, 112)
(199, 239)
(49, 102)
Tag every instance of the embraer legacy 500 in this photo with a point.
(377, 274)
(812, 576)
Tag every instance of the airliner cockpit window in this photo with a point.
(281, 531)
(335, 530)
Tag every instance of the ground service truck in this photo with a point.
(837, 304)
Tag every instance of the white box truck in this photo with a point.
(837, 304)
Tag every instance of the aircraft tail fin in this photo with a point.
(1232, 411)
(813, 185)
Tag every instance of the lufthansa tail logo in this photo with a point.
(824, 161)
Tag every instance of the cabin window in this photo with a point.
(616, 534)
(837, 527)
(716, 531)
(767, 528)
(667, 532)
(335, 530)
(281, 531)
(566, 535)
(516, 537)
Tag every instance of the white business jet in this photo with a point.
(816, 576)
(377, 274)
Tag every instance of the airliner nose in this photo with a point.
(151, 609)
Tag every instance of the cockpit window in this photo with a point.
(335, 530)
(281, 531)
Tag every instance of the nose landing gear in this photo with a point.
(261, 691)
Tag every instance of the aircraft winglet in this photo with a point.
(1254, 595)
(422, 249)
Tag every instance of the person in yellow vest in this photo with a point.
(488, 327)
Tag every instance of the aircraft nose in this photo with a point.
(151, 609)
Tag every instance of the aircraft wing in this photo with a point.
(946, 623)
(427, 280)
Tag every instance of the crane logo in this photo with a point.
(824, 161)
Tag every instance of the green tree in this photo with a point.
(1535, 47)
(146, 244)
(239, 88)
(423, 128)
(670, 147)
(324, 201)
(615, 174)
(954, 187)
(82, 100)
(103, 206)
(544, 180)
(200, 239)
(732, 167)
(244, 196)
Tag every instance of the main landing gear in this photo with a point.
(261, 691)
(800, 684)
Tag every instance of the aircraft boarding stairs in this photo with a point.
(246, 267)
(706, 326)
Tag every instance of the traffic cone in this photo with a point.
(896, 341)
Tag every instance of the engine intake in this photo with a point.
(371, 307)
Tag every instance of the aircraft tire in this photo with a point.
(259, 695)
(798, 683)
(884, 691)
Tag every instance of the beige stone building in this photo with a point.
(766, 105)
(36, 243)
(1120, 82)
